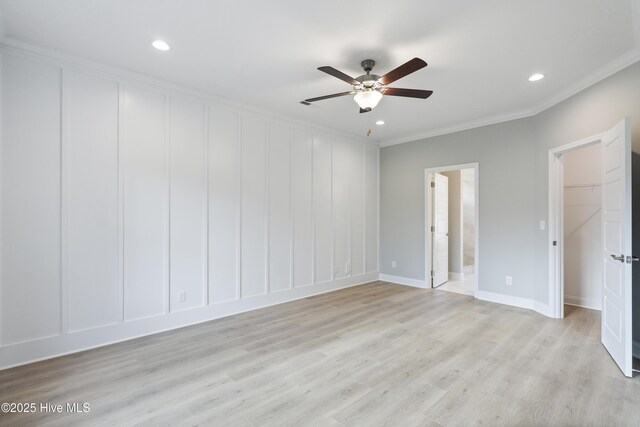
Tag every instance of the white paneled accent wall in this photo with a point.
(188, 205)
(280, 207)
(302, 200)
(370, 216)
(253, 146)
(31, 295)
(340, 197)
(224, 205)
(322, 209)
(130, 207)
(356, 199)
(91, 201)
(145, 169)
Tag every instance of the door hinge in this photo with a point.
(432, 273)
(631, 258)
(433, 184)
(433, 229)
(555, 243)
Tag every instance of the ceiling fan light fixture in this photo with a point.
(368, 99)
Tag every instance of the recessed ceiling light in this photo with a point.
(161, 45)
(536, 77)
(380, 122)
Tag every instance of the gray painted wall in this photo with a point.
(506, 202)
(513, 180)
(455, 221)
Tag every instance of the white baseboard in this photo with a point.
(591, 304)
(529, 304)
(543, 309)
(60, 345)
(507, 300)
(403, 281)
(520, 302)
(456, 276)
(636, 349)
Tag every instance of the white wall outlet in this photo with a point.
(509, 280)
(182, 296)
(347, 267)
(542, 225)
(393, 264)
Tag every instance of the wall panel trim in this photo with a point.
(205, 213)
(64, 204)
(121, 224)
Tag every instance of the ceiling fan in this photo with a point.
(369, 88)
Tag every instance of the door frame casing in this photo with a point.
(428, 216)
(556, 221)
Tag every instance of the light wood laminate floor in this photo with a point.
(376, 354)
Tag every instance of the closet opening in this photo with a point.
(590, 235)
(582, 228)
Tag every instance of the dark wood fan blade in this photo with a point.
(335, 95)
(410, 93)
(404, 70)
(339, 74)
(365, 110)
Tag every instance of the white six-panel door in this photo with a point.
(616, 303)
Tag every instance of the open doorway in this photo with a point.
(451, 216)
(582, 228)
(585, 270)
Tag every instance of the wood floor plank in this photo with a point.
(371, 355)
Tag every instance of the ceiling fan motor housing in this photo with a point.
(368, 65)
(367, 81)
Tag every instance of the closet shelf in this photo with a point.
(568, 187)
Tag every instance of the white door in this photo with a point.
(616, 196)
(440, 230)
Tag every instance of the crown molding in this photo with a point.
(630, 57)
(15, 47)
(501, 118)
(623, 61)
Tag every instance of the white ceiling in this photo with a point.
(265, 53)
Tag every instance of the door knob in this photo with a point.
(618, 258)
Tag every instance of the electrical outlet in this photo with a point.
(393, 264)
(182, 296)
(509, 280)
(542, 225)
(347, 267)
